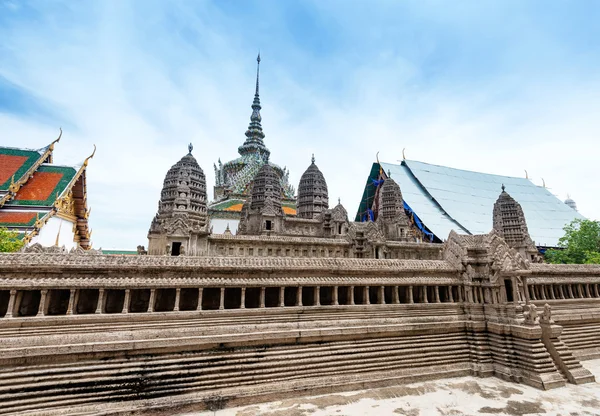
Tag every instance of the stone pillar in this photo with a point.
(100, 305)
(450, 295)
(543, 292)
(281, 296)
(395, 297)
(335, 296)
(460, 293)
(588, 293)
(533, 297)
(151, 300)
(367, 300)
(126, 301)
(262, 297)
(299, 296)
(72, 301)
(381, 295)
(177, 299)
(580, 290)
(243, 300)
(410, 295)
(561, 292)
(11, 303)
(570, 291)
(317, 295)
(437, 294)
(425, 295)
(351, 294)
(222, 299)
(596, 290)
(42, 307)
(199, 307)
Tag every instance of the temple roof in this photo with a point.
(32, 190)
(448, 199)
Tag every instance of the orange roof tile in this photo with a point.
(40, 186)
(7, 217)
(9, 164)
(289, 210)
(235, 207)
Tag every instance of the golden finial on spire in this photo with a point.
(51, 147)
(403, 154)
(89, 157)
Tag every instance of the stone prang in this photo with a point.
(182, 206)
(313, 197)
(509, 222)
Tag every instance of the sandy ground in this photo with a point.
(449, 397)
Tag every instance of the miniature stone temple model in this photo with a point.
(182, 214)
(234, 178)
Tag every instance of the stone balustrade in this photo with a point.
(26, 302)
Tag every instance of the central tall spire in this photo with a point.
(254, 135)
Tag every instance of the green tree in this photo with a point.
(9, 241)
(580, 244)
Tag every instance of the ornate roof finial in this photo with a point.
(257, 72)
(255, 135)
(190, 148)
(312, 159)
(389, 174)
(339, 201)
(503, 187)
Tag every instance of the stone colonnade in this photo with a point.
(53, 302)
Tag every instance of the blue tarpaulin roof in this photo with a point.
(453, 199)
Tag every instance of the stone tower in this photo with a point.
(313, 197)
(182, 213)
(391, 216)
(264, 213)
(509, 223)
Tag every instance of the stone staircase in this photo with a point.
(214, 374)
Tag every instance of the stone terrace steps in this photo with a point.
(298, 366)
(584, 339)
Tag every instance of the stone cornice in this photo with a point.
(55, 262)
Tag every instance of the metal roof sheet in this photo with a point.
(447, 198)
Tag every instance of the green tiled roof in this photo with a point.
(223, 205)
(32, 157)
(123, 252)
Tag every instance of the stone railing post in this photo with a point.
(381, 295)
(71, 302)
(299, 296)
(151, 300)
(425, 294)
(281, 296)
(126, 301)
(262, 297)
(335, 295)
(199, 307)
(100, 304)
(222, 299)
(177, 299)
(243, 300)
(411, 298)
(437, 294)
(317, 295)
(450, 295)
(42, 307)
(351, 295)
(11, 304)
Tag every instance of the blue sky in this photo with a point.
(497, 87)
